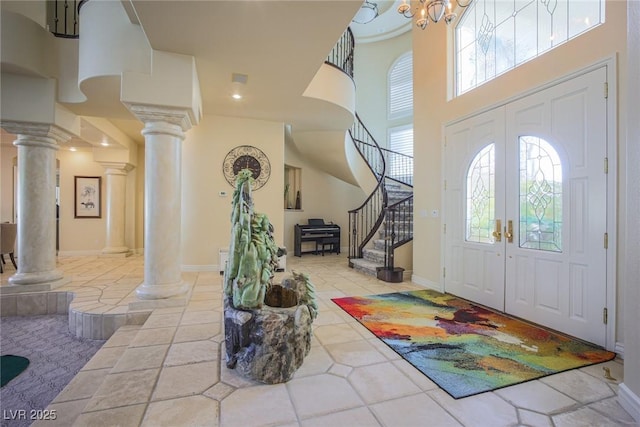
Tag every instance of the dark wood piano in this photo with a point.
(322, 236)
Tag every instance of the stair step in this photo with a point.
(365, 266)
(373, 255)
(378, 244)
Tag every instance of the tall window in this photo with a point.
(400, 162)
(401, 87)
(494, 36)
(400, 137)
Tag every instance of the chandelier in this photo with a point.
(367, 13)
(433, 10)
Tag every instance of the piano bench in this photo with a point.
(332, 242)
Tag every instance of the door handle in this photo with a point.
(497, 233)
(509, 231)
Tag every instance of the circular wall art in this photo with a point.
(247, 157)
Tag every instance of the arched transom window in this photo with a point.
(494, 36)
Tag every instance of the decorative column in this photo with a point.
(115, 208)
(37, 145)
(163, 134)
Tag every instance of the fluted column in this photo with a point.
(116, 174)
(163, 135)
(37, 145)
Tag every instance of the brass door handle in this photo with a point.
(509, 231)
(497, 233)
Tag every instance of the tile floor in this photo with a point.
(170, 370)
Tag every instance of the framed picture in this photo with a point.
(88, 200)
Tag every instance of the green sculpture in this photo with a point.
(253, 252)
(267, 327)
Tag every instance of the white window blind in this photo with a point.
(400, 141)
(401, 87)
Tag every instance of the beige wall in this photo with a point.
(206, 226)
(371, 69)
(7, 155)
(79, 236)
(431, 84)
(323, 196)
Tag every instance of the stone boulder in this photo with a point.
(269, 344)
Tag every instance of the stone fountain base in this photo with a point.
(269, 344)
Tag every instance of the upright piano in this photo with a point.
(318, 233)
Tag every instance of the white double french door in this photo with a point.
(526, 207)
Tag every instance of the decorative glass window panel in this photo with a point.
(481, 196)
(540, 195)
(494, 36)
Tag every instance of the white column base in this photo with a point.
(47, 285)
(37, 278)
(629, 401)
(121, 251)
(152, 291)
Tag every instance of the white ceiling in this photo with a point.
(280, 45)
(388, 24)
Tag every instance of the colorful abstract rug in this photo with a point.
(464, 348)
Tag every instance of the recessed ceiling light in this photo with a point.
(104, 143)
(237, 83)
(73, 149)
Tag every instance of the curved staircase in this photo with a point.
(384, 222)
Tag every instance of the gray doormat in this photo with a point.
(56, 357)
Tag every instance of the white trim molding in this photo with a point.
(629, 401)
(96, 252)
(426, 283)
(197, 268)
(619, 350)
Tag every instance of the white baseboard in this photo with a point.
(426, 283)
(619, 349)
(205, 267)
(629, 401)
(80, 253)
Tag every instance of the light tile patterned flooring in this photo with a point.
(170, 371)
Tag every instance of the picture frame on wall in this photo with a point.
(88, 197)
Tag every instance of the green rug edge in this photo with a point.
(11, 366)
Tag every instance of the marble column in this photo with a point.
(115, 208)
(163, 132)
(37, 145)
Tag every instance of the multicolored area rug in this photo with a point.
(464, 348)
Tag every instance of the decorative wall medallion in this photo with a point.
(247, 157)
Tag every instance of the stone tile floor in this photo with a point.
(170, 370)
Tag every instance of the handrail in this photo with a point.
(398, 228)
(341, 55)
(399, 167)
(63, 18)
(365, 220)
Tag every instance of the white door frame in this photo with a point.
(612, 188)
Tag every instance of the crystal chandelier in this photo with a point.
(433, 10)
(367, 13)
